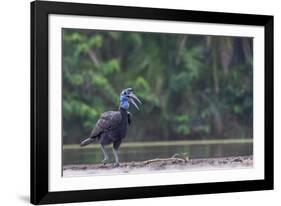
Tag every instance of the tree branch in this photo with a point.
(94, 58)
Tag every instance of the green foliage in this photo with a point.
(191, 86)
(182, 126)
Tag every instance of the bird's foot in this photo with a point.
(105, 161)
(116, 164)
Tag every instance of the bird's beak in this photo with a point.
(132, 98)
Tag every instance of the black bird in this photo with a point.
(112, 125)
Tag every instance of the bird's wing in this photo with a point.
(108, 121)
(130, 117)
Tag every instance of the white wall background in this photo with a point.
(14, 102)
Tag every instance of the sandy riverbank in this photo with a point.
(159, 165)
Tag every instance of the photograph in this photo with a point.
(148, 102)
(137, 102)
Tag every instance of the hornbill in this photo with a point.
(112, 125)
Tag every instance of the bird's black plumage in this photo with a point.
(112, 126)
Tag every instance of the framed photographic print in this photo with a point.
(131, 102)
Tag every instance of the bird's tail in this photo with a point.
(87, 141)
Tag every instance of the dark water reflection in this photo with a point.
(94, 155)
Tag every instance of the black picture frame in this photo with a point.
(40, 102)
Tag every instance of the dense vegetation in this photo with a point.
(191, 86)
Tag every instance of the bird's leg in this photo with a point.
(115, 152)
(105, 160)
(115, 148)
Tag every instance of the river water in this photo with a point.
(126, 154)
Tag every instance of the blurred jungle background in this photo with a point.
(197, 93)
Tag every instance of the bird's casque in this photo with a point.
(127, 96)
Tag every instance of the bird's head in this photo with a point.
(126, 97)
